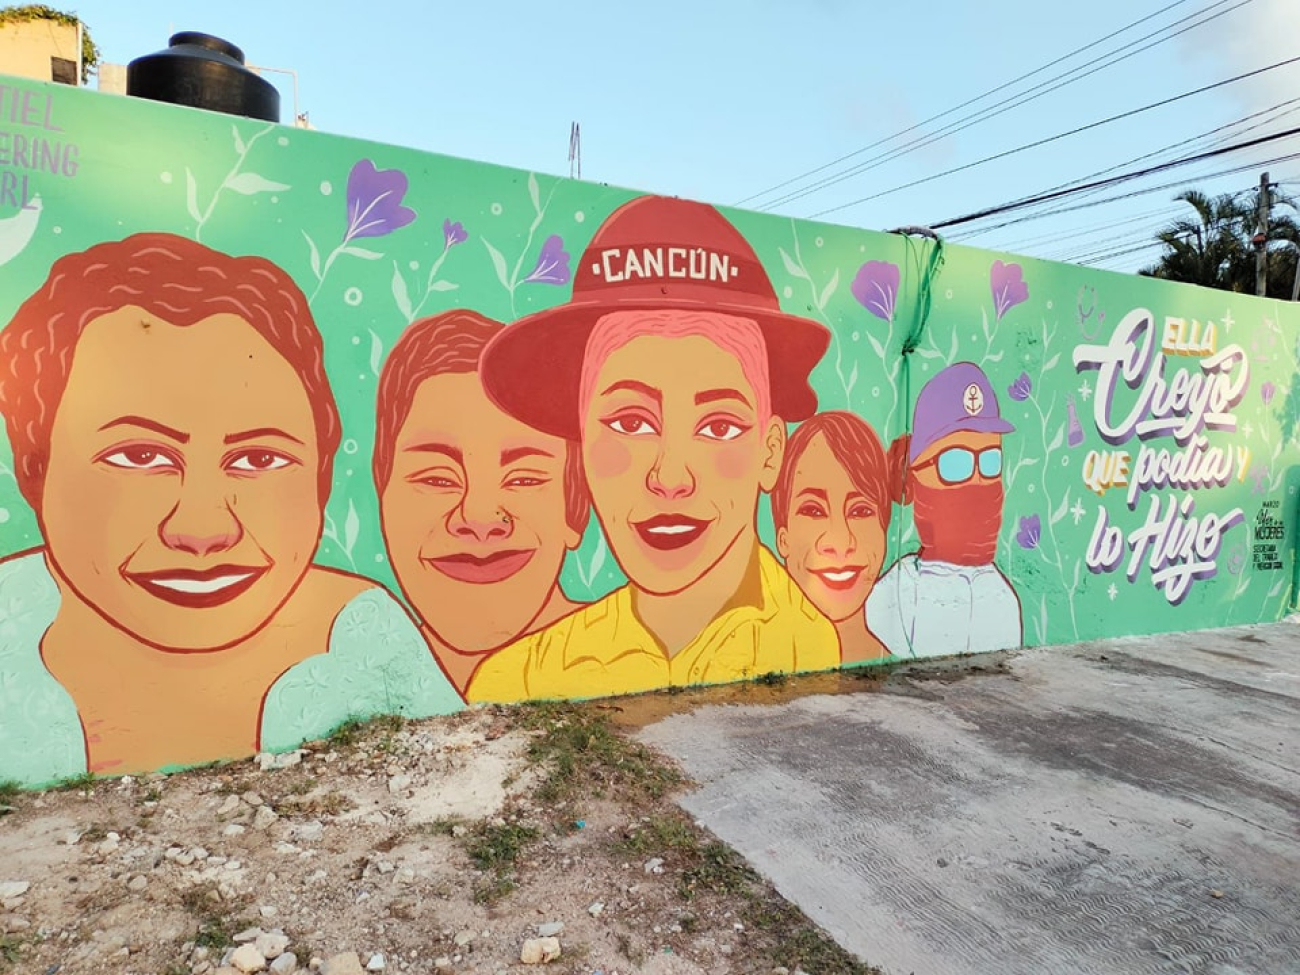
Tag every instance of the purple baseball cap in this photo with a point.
(959, 397)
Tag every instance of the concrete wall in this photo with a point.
(27, 46)
(301, 428)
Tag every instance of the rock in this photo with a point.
(71, 838)
(550, 929)
(464, 938)
(248, 959)
(227, 970)
(234, 829)
(654, 865)
(285, 964)
(347, 963)
(596, 909)
(442, 963)
(266, 761)
(229, 806)
(538, 951)
(264, 817)
(309, 832)
(248, 934)
(137, 883)
(12, 924)
(198, 853)
(252, 798)
(399, 783)
(9, 889)
(376, 963)
(272, 945)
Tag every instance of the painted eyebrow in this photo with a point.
(261, 432)
(814, 492)
(438, 448)
(633, 386)
(714, 395)
(519, 453)
(148, 424)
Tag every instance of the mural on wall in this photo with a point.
(300, 429)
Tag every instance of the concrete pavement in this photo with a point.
(1123, 807)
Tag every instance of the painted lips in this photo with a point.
(482, 569)
(198, 589)
(669, 532)
(840, 579)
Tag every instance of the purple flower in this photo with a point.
(552, 263)
(1021, 388)
(1267, 392)
(453, 234)
(375, 201)
(1009, 287)
(1030, 531)
(876, 287)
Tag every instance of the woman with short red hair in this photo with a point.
(174, 431)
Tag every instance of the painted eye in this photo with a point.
(526, 481)
(721, 430)
(861, 511)
(141, 459)
(258, 461)
(438, 481)
(810, 510)
(631, 426)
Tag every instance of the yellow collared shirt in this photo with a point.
(605, 649)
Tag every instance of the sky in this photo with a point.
(723, 100)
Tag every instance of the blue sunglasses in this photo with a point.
(956, 465)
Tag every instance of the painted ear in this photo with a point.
(900, 481)
(773, 453)
(783, 543)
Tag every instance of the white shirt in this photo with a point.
(937, 609)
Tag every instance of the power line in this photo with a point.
(1054, 138)
(1122, 178)
(957, 108)
(999, 108)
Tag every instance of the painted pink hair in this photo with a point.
(737, 336)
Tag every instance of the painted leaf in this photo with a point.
(1042, 621)
(192, 195)
(250, 183)
(1057, 440)
(875, 345)
(534, 193)
(597, 560)
(791, 267)
(351, 528)
(239, 142)
(1050, 364)
(995, 357)
(401, 294)
(1061, 510)
(376, 352)
(443, 286)
(829, 290)
(498, 263)
(315, 256)
(952, 353)
(369, 255)
(853, 379)
(1277, 587)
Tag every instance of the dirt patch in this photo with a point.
(421, 847)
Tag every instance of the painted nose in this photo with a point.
(479, 518)
(670, 477)
(201, 529)
(837, 539)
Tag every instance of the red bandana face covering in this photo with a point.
(958, 523)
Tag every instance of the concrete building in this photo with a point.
(45, 50)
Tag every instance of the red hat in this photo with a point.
(650, 254)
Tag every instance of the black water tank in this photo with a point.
(203, 71)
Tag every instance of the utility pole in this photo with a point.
(575, 152)
(1260, 239)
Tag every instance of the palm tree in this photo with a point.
(1216, 247)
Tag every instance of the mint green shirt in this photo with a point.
(376, 663)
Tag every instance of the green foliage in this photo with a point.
(9, 790)
(39, 11)
(495, 849)
(1215, 249)
(355, 730)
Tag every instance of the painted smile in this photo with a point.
(669, 532)
(198, 589)
(841, 578)
(482, 569)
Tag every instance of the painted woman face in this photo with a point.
(181, 498)
(834, 543)
(474, 515)
(675, 458)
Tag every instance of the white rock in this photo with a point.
(654, 865)
(596, 909)
(9, 889)
(550, 929)
(71, 838)
(233, 865)
(248, 934)
(376, 963)
(248, 959)
(347, 963)
(285, 964)
(399, 783)
(264, 817)
(308, 832)
(234, 829)
(267, 910)
(229, 806)
(442, 963)
(266, 761)
(138, 883)
(199, 853)
(271, 945)
(538, 951)
(464, 938)
(252, 798)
